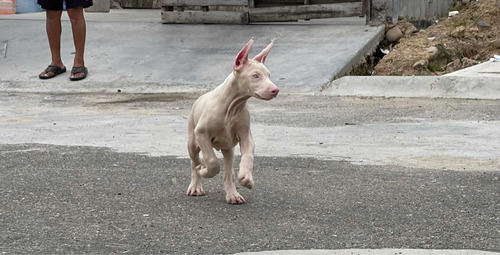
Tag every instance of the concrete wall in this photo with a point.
(381, 10)
(99, 6)
(146, 4)
(414, 10)
(427, 9)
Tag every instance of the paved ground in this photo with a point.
(100, 166)
(67, 199)
(132, 46)
(449, 133)
(107, 173)
(373, 252)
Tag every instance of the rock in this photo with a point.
(467, 62)
(449, 68)
(407, 28)
(458, 32)
(483, 25)
(473, 30)
(420, 65)
(115, 4)
(453, 66)
(394, 34)
(433, 53)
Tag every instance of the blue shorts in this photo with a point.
(57, 5)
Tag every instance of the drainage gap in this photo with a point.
(3, 49)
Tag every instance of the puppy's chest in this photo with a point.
(226, 137)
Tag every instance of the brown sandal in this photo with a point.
(80, 69)
(55, 70)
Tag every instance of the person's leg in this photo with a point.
(78, 27)
(54, 29)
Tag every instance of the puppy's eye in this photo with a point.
(256, 76)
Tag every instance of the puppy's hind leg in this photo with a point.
(196, 186)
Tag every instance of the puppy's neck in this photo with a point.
(232, 96)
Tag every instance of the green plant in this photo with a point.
(434, 67)
(457, 7)
(443, 53)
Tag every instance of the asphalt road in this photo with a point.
(67, 192)
(59, 199)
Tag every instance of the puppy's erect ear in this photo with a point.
(242, 57)
(263, 55)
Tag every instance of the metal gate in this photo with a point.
(252, 11)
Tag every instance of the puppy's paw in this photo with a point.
(235, 199)
(245, 180)
(195, 191)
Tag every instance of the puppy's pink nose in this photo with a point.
(274, 90)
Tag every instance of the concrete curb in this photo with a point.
(485, 69)
(88, 86)
(364, 86)
(416, 86)
(372, 252)
(367, 48)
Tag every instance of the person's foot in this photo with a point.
(78, 73)
(52, 71)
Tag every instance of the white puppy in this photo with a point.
(220, 119)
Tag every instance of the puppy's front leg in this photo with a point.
(232, 196)
(246, 165)
(212, 164)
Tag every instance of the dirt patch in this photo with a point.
(457, 42)
(449, 163)
(157, 97)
